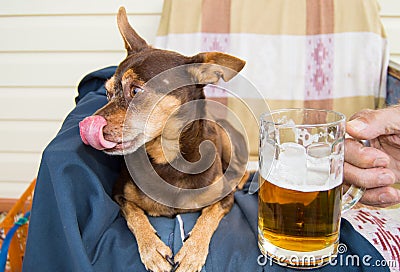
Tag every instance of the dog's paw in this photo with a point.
(192, 256)
(155, 255)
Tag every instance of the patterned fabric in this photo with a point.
(381, 227)
(300, 53)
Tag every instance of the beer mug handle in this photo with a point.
(351, 197)
(353, 194)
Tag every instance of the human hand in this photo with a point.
(376, 167)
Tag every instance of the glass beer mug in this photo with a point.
(300, 197)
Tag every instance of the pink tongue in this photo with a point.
(91, 131)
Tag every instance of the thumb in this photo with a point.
(369, 124)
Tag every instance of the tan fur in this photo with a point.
(206, 73)
(163, 109)
(163, 150)
(110, 87)
(148, 242)
(130, 76)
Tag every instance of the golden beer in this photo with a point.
(300, 202)
(296, 220)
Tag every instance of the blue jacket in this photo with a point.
(76, 226)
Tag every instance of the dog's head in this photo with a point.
(138, 106)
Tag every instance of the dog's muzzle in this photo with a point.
(91, 131)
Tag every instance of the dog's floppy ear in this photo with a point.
(133, 42)
(215, 65)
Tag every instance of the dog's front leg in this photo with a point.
(155, 255)
(193, 254)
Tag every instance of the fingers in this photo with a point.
(369, 124)
(368, 167)
(381, 197)
(364, 157)
(368, 178)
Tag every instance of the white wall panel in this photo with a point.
(88, 7)
(12, 189)
(63, 69)
(29, 103)
(390, 8)
(70, 33)
(392, 27)
(390, 13)
(18, 167)
(26, 136)
(47, 47)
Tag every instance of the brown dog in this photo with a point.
(142, 116)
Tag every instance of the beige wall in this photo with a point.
(47, 46)
(390, 14)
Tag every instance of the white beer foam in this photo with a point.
(294, 169)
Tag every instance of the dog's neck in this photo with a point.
(183, 137)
